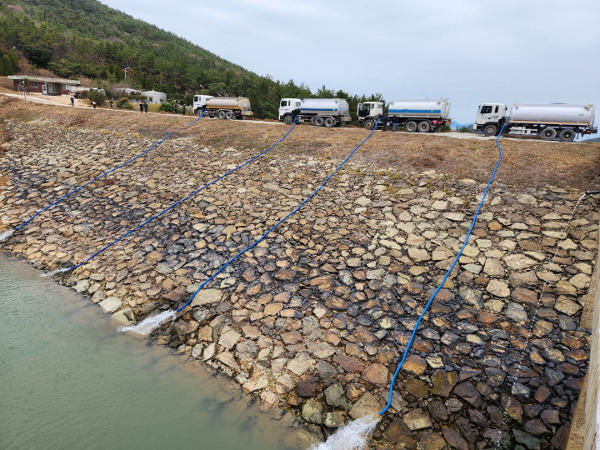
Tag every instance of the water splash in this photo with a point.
(149, 324)
(353, 436)
(5, 235)
(54, 272)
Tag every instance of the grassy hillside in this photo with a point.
(74, 38)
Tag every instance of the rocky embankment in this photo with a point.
(314, 319)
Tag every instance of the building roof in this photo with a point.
(152, 93)
(44, 79)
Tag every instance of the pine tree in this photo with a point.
(6, 65)
(1, 67)
(14, 59)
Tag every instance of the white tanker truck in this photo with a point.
(423, 115)
(222, 107)
(555, 121)
(328, 112)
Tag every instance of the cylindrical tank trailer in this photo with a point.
(327, 112)
(222, 107)
(550, 122)
(555, 113)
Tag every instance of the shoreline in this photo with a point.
(312, 320)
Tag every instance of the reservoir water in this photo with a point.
(69, 381)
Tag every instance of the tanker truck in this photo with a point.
(423, 115)
(328, 112)
(222, 107)
(555, 121)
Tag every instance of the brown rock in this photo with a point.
(336, 303)
(285, 275)
(416, 387)
(323, 283)
(455, 440)
(349, 363)
(398, 432)
(365, 336)
(432, 441)
(468, 392)
(272, 309)
(291, 337)
(414, 364)
(542, 394)
(254, 290)
(417, 419)
(523, 295)
(443, 382)
(376, 374)
(512, 407)
(366, 405)
(561, 438)
(307, 386)
(154, 257)
(175, 295)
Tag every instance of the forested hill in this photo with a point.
(74, 38)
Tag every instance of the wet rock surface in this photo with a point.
(315, 318)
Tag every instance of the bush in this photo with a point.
(166, 107)
(123, 103)
(96, 96)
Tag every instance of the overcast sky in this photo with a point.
(525, 51)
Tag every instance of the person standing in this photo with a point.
(93, 104)
(183, 109)
(190, 110)
(176, 106)
(141, 107)
(145, 106)
(72, 101)
(111, 104)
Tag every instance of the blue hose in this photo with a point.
(105, 173)
(180, 201)
(280, 222)
(444, 279)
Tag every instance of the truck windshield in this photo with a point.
(364, 109)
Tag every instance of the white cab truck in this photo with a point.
(554, 121)
(222, 107)
(423, 115)
(323, 112)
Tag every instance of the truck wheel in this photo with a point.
(288, 120)
(567, 135)
(411, 126)
(548, 133)
(229, 115)
(490, 130)
(221, 114)
(329, 122)
(424, 127)
(319, 121)
(369, 124)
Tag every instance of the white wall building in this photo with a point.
(155, 97)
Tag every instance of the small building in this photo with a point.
(155, 97)
(44, 85)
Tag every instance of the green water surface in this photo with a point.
(69, 381)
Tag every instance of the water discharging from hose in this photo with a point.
(5, 235)
(352, 436)
(149, 324)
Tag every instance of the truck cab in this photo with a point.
(369, 112)
(200, 102)
(490, 118)
(287, 106)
